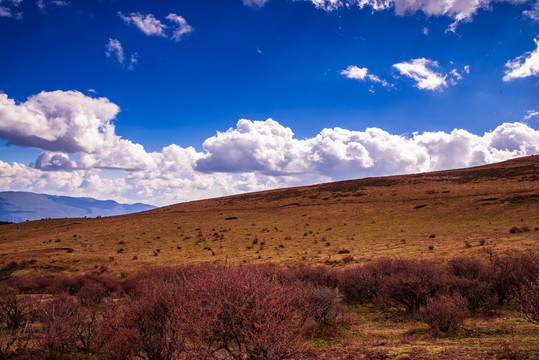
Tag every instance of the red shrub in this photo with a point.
(242, 312)
(445, 313)
(205, 311)
(112, 335)
(363, 284)
(529, 301)
(91, 293)
(12, 311)
(325, 305)
(412, 282)
(316, 275)
(510, 272)
(58, 316)
(472, 279)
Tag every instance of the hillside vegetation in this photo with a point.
(432, 215)
(440, 265)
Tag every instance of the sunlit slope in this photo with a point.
(432, 215)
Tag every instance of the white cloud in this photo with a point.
(42, 4)
(533, 13)
(79, 143)
(459, 10)
(148, 24)
(531, 114)
(255, 3)
(66, 121)
(133, 60)
(8, 9)
(182, 28)
(524, 65)
(268, 148)
(354, 72)
(422, 71)
(115, 50)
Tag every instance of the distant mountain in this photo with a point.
(18, 206)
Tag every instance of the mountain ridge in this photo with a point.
(19, 206)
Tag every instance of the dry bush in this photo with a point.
(112, 335)
(242, 312)
(58, 316)
(326, 305)
(207, 312)
(12, 311)
(394, 282)
(529, 301)
(316, 275)
(363, 283)
(411, 283)
(444, 313)
(472, 279)
(15, 318)
(510, 272)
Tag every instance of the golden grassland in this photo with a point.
(435, 216)
(429, 216)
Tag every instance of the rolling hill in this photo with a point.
(18, 206)
(433, 215)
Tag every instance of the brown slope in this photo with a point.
(387, 216)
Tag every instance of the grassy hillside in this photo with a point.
(432, 215)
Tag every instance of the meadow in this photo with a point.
(323, 249)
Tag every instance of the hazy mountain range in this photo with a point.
(18, 206)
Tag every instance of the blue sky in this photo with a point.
(169, 101)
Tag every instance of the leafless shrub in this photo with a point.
(529, 301)
(444, 313)
(58, 316)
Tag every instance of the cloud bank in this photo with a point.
(80, 148)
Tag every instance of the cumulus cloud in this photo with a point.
(255, 3)
(354, 72)
(268, 148)
(150, 25)
(423, 72)
(66, 121)
(524, 65)
(8, 9)
(79, 145)
(459, 11)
